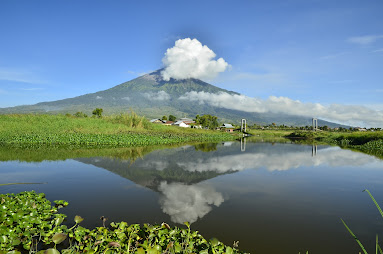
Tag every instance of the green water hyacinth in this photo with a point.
(30, 224)
(27, 218)
(123, 130)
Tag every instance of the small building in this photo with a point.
(168, 122)
(187, 120)
(156, 121)
(182, 124)
(227, 127)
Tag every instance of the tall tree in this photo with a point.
(172, 118)
(98, 112)
(208, 121)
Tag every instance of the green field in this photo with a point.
(126, 130)
(120, 130)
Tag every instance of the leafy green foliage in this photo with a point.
(26, 217)
(80, 114)
(374, 147)
(207, 121)
(97, 112)
(122, 130)
(339, 138)
(172, 118)
(28, 222)
(131, 120)
(108, 139)
(367, 142)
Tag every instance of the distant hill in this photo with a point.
(153, 97)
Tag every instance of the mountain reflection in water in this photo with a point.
(178, 174)
(272, 197)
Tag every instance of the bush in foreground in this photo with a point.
(29, 224)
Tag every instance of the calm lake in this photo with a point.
(271, 197)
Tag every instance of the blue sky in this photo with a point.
(312, 51)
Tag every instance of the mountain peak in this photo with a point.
(156, 77)
(153, 76)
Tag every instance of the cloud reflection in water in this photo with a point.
(188, 202)
(192, 202)
(332, 156)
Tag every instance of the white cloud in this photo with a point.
(126, 98)
(348, 114)
(98, 97)
(159, 96)
(228, 143)
(378, 50)
(333, 156)
(365, 40)
(190, 59)
(378, 107)
(188, 202)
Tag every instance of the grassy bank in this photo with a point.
(269, 133)
(367, 142)
(121, 130)
(55, 153)
(29, 224)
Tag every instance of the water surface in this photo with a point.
(272, 198)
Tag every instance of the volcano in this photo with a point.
(150, 95)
